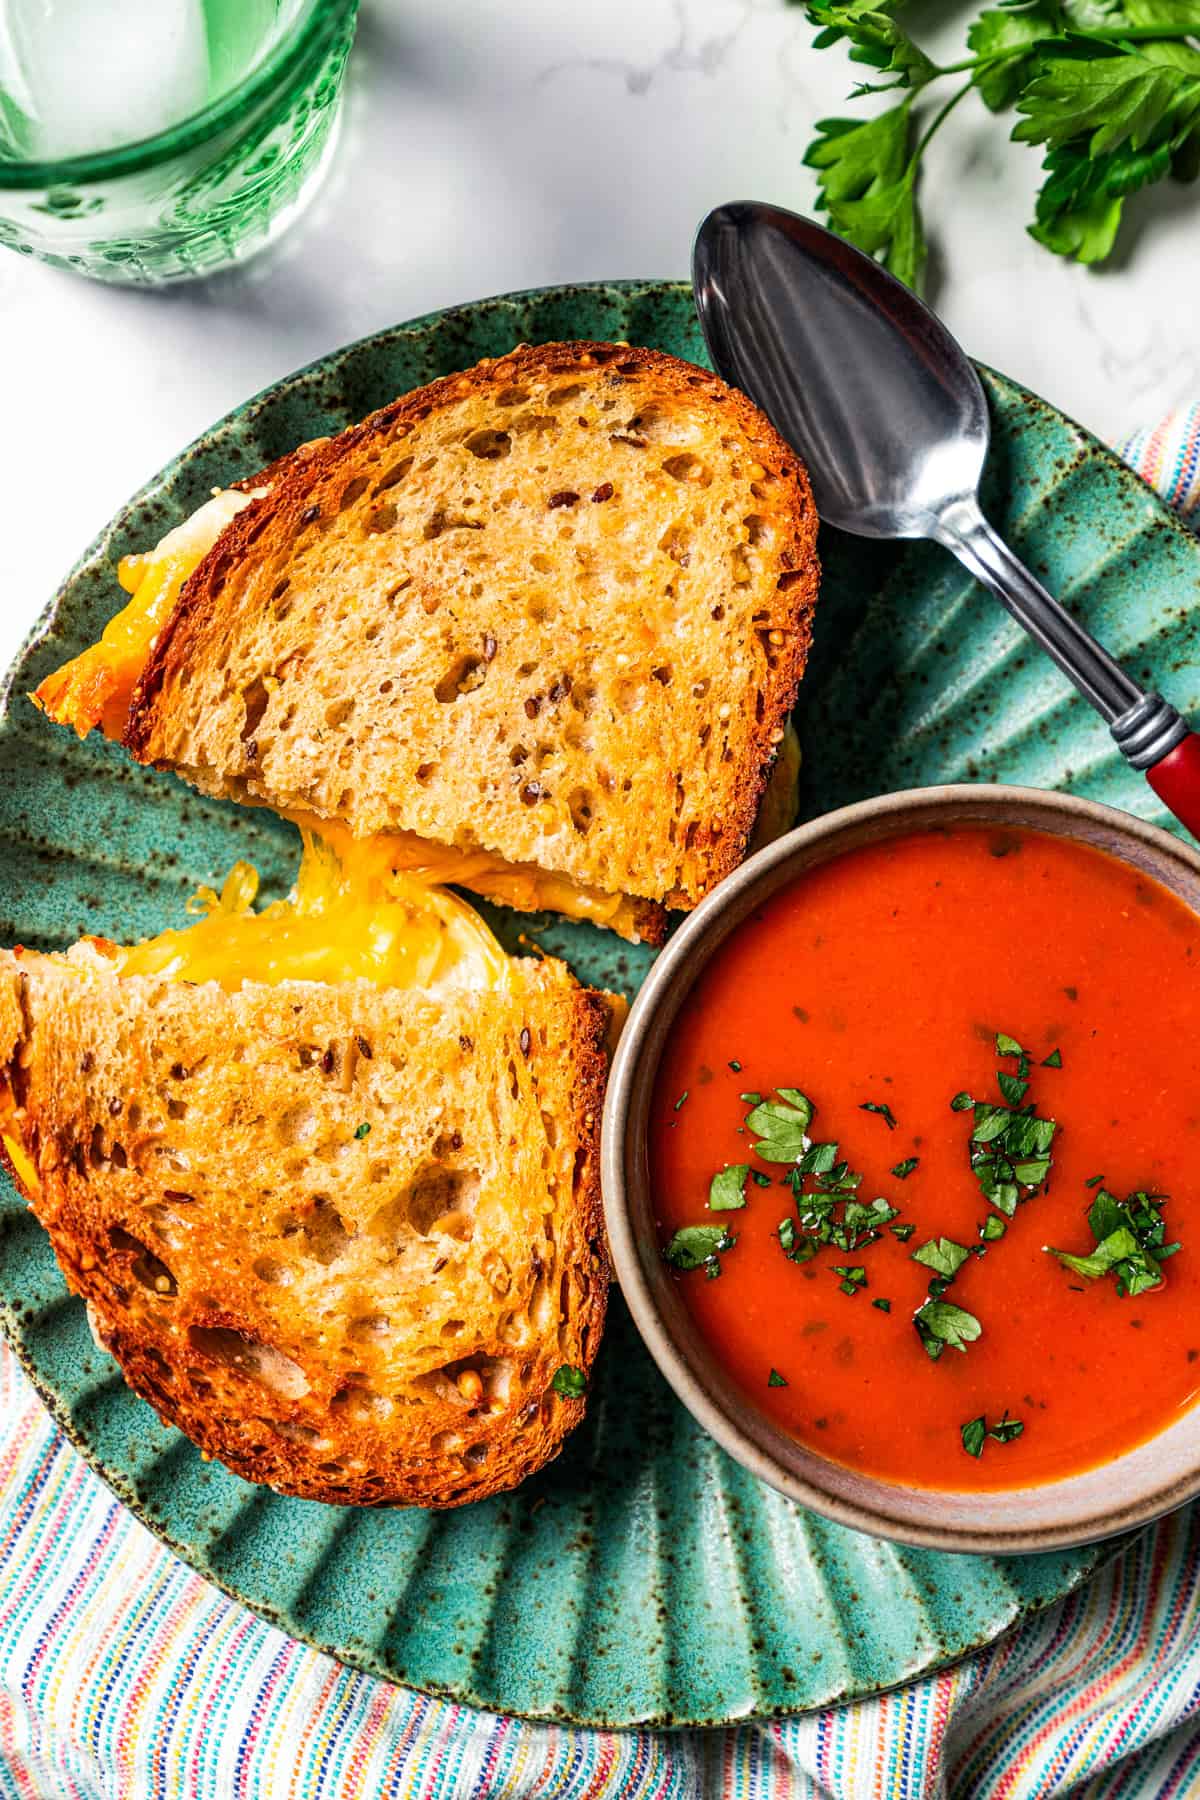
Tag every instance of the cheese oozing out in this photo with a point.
(95, 687)
(350, 917)
(94, 690)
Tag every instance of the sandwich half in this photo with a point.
(538, 625)
(327, 1177)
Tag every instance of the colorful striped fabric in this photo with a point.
(123, 1676)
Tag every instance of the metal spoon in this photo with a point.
(884, 407)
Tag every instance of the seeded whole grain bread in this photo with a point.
(555, 607)
(362, 1317)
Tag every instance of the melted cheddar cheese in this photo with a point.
(348, 918)
(95, 688)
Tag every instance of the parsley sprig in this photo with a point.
(1110, 89)
(1130, 1243)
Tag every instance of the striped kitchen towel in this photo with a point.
(123, 1676)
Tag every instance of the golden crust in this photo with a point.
(359, 1318)
(687, 823)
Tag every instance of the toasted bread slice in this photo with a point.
(342, 1236)
(549, 614)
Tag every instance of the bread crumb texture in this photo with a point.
(556, 607)
(343, 1237)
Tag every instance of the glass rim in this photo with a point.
(279, 65)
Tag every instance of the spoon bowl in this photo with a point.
(886, 409)
(877, 396)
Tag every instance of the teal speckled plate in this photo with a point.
(643, 1577)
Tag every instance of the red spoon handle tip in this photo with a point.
(1176, 781)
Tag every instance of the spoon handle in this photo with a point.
(1146, 728)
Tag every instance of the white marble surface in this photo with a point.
(498, 144)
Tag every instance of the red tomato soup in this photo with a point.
(882, 980)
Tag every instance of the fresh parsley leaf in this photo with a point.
(875, 39)
(1093, 1181)
(775, 1379)
(361, 1131)
(854, 1276)
(883, 1109)
(759, 1179)
(1012, 1087)
(940, 1323)
(694, 1246)
(943, 1256)
(867, 186)
(1007, 1046)
(780, 1125)
(1053, 1061)
(570, 1383)
(1131, 95)
(818, 1159)
(903, 1232)
(992, 1228)
(902, 1170)
(974, 1434)
(727, 1189)
(883, 1305)
(1130, 1244)
(735, 1066)
(1003, 41)
(962, 1101)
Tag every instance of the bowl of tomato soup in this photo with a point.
(902, 1167)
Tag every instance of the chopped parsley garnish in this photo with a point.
(759, 1179)
(751, 1099)
(735, 1065)
(1053, 1061)
(780, 1125)
(1010, 1145)
(883, 1109)
(1129, 1238)
(360, 1131)
(853, 1275)
(943, 1256)
(699, 1247)
(727, 1190)
(993, 1227)
(976, 1432)
(775, 1379)
(883, 1305)
(681, 1099)
(823, 1184)
(902, 1170)
(1093, 1181)
(902, 1232)
(570, 1383)
(973, 1434)
(940, 1323)
(1012, 1087)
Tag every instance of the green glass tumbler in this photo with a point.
(209, 190)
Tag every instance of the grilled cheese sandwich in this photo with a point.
(538, 625)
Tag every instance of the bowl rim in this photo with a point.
(673, 974)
